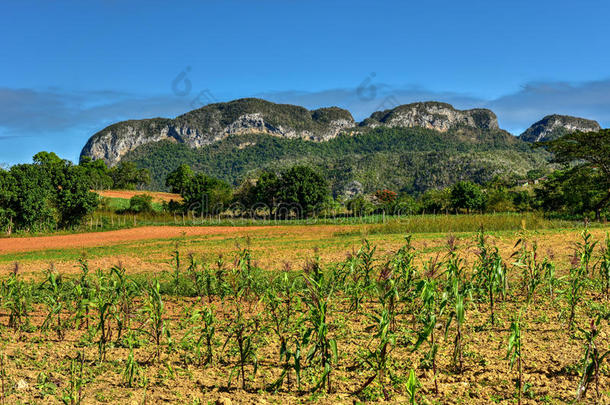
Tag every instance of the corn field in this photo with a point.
(401, 327)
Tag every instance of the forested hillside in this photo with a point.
(402, 159)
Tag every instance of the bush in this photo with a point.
(140, 204)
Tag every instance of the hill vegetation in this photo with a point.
(410, 160)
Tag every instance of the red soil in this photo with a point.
(127, 194)
(8, 245)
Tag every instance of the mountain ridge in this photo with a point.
(215, 122)
(554, 126)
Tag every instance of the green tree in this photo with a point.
(267, 189)
(436, 201)
(70, 196)
(141, 203)
(32, 202)
(467, 195)
(301, 188)
(73, 198)
(7, 196)
(178, 180)
(589, 156)
(574, 192)
(206, 195)
(360, 206)
(97, 173)
(127, 176)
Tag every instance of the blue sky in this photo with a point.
(70, 68)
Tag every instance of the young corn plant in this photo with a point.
(73, 393)
(514, 354)
(323, 349)
(552, 281)
(404, 268)
(350, 278)
(154, 308)
(52, 295)
(490, 273)
(366, 255)
(592, 361)
(202, 278)
(283, 305)
(243, 336)
(604, 268)
(378, 352)
(104, 301)
(458, 314)
(531, 269)
(125, 291)
(17, 299)
(132, 373)
(456, 292)
(433, 306)
(176, 263)
(412, 386)
(585, 250)
(82, 294)
(200, 338)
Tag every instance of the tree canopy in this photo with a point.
(586, 157)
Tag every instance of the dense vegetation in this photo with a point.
(47, 194)
(286, 115)
(403, 159)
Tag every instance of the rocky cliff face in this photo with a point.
(217, 121)
(554, 126)
(432, 115)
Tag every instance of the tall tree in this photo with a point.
(127, 176)
(179, 179)
(588, 157)
(97, 173)
(467, 195)
(206, 195)
(303, 189)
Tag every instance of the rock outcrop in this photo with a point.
(217, 121)
(554, 126)
(432, 115)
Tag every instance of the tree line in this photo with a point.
(53, 193)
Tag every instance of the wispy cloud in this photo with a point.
(26, 111)
(56, 113)
(519, 110)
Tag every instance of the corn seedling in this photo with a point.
(531, 269)
(52, 296)
(154, 309)
(378, 351)
(412, 386)
(323, 350)
(17, 299)
(593, 358)
(604, 268)
(104, 301)
(433, 306)
(243, 333)
(282, 304)
(73, 393)
(514, 353)
(579, 272)
(132, 372)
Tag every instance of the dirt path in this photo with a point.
(82, 240)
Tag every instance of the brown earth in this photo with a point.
(127, 194)
(82, 240)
